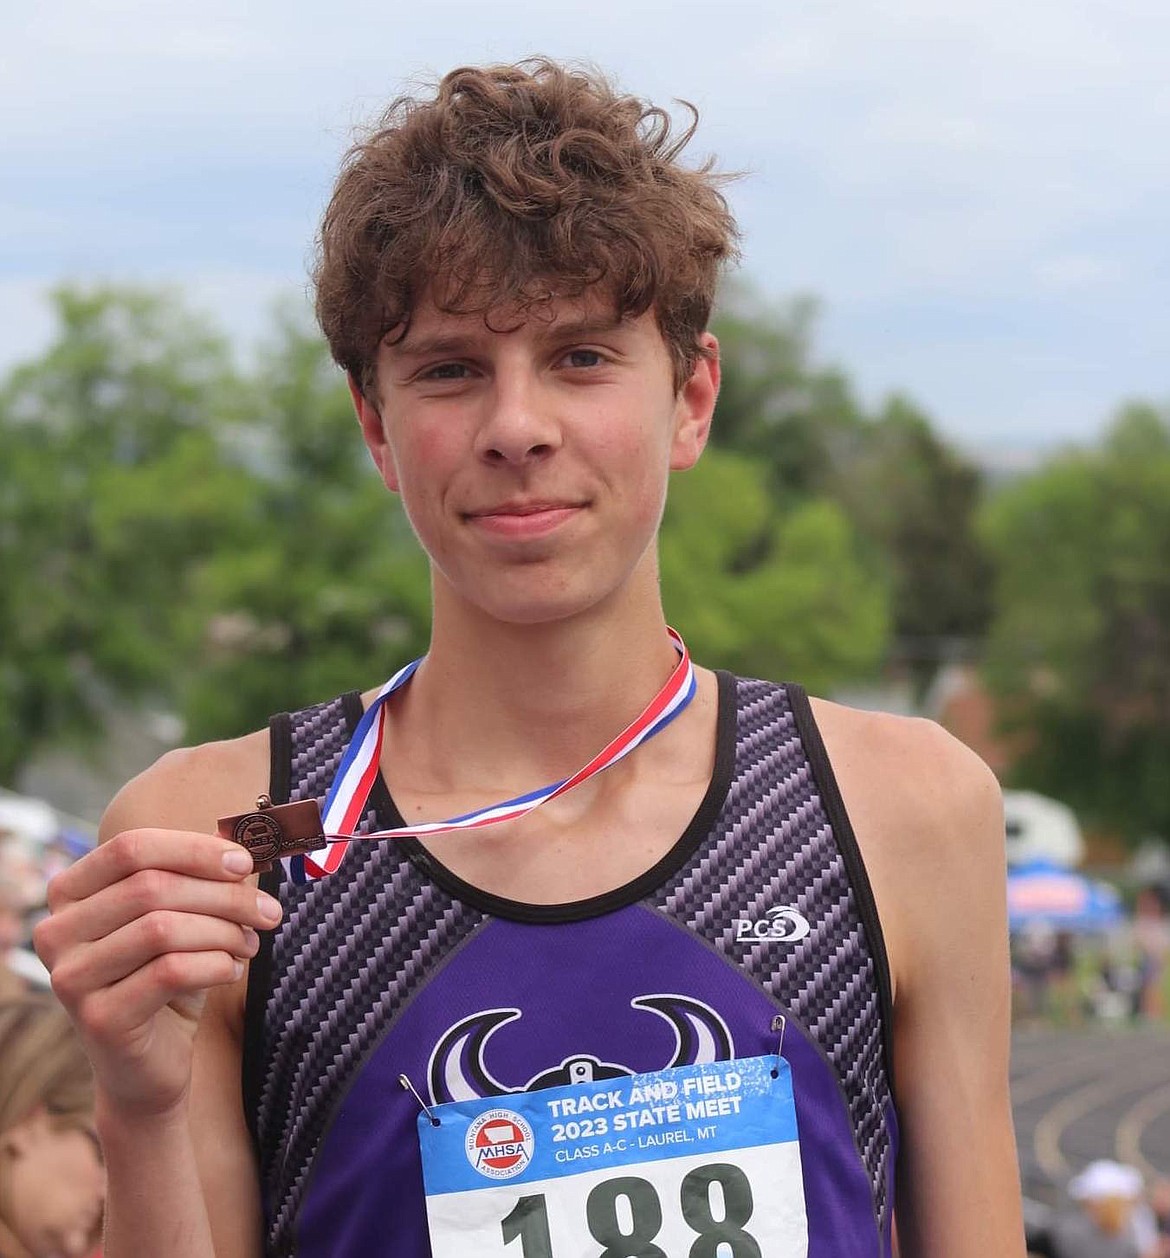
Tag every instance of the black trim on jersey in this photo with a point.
(609, 901)
(260, 967)
(280, 757)
(818, 757)
(354, 710)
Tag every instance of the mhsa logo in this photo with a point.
(499, 1144)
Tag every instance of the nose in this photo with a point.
(519, 425)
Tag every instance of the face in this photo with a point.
(1111, 1214)
(53, 1188)
(533, 462)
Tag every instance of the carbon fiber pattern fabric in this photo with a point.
(350, 951)
(773, 844)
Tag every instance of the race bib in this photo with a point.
(693, 1162)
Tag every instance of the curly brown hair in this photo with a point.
(515, 185)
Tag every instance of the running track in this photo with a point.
(1081, 1095)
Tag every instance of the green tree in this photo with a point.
(112, 490)
(912, 499)
(1080, 644)
(328, 589)
(763, 591)
(916, 501)
(775, 404)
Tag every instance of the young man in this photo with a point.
(745, 992)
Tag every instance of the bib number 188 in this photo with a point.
(625, 1215)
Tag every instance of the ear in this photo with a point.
(695, 406)
(373, 433)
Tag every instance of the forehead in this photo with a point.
(547, 317)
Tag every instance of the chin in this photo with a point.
(544, 606)
(536, 611)
(538, 593)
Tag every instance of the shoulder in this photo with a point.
(927, 813)
(912, 768)
(189, 788)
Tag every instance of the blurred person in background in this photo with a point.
(1111, 1219)
(52, 1180)
(1151, 936)
(1065, 1000)
(1034, 957)
(1160, 1205)
(21, 874)
(11, 937)
(22, 897)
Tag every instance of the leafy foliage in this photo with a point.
(328, 590)
(1080, 646)
(766, 592)
(917, 502)
(112, 493)
(911, 499)
(775, 405)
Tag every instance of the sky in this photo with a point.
(977, 191)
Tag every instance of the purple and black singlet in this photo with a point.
(392, 966)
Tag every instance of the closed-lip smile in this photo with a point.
(523, 517)
(523, 507)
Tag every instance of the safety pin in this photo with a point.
(409, 1087)
(779, 1022)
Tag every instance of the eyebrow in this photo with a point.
(459, 342)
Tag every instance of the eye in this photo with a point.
(445, 371)
(583, 358)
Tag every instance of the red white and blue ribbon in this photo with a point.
(346, 802)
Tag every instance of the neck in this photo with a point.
(505, 703)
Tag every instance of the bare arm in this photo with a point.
(928, 815)
(147, 943)
(958, 1182)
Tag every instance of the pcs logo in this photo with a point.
(780, 924)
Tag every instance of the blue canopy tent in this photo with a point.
(1040, 893)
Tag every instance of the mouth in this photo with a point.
(523, 519)
(526, 507)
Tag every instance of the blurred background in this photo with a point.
(940, 480)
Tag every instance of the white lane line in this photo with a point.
(1134, 1122)
(1050, 1129)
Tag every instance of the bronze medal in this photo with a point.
(273, 831)
(260, 833)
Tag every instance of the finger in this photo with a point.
(128, 1005)
(108, 961)
(146, 892)
(180, 851)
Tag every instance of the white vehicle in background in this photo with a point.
(1040, 829)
